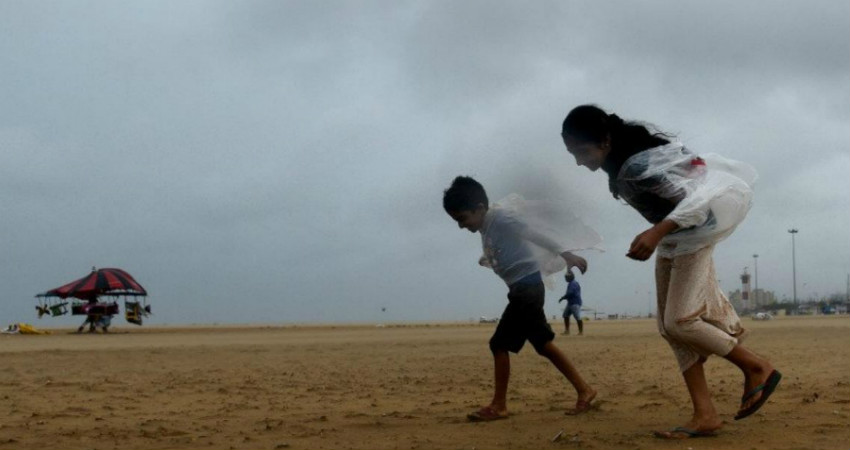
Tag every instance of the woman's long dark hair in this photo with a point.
(590, 124)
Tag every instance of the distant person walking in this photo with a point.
(693, 202)
(573, 298)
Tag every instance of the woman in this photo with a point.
(693, 203)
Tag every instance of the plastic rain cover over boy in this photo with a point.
(548, 223)
(712, 194)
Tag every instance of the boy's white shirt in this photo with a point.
(542, 230)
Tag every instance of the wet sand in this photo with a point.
(402, 386)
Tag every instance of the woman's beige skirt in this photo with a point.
(694, 316)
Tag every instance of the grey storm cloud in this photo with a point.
(265, 161)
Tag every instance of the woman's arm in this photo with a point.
(644, 244)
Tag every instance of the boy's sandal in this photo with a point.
(486, 414)
(581, 407)
(683, 433)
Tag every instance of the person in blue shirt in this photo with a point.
(573, 298)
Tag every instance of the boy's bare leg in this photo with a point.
(756, 370)
(566, 325)
(705, 418)
(586, 394)
(580, 327)
(502, 372)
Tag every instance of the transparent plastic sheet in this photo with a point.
(712, 194)
(553, 226)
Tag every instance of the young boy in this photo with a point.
(507, 242)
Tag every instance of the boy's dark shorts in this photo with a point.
(523, 318)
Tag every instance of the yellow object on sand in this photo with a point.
(26, 328)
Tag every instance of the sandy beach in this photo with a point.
(402, 386)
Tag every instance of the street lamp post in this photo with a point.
(756, 266)
(794, 231)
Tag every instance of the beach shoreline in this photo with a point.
(397, 385)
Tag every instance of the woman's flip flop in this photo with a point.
(765, 388)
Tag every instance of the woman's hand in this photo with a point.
(644, 244)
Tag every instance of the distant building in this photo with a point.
(746, 299)
(762, 298)
(758, 299)
(736, 299)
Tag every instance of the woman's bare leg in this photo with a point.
(756, 370)
(705, 418)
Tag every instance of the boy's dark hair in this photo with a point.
(589, 123)
(464, 195)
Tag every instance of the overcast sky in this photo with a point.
(284, 162)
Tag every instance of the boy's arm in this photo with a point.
(540, 240)
(549, 244)
(574, 261)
